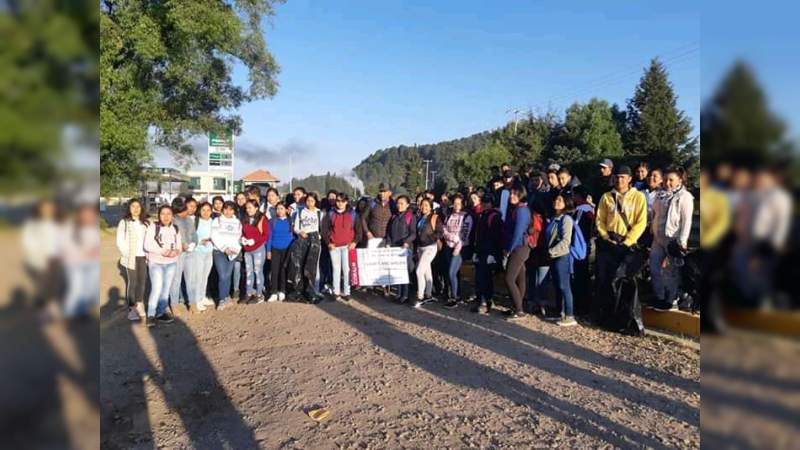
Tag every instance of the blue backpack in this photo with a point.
(577, 247)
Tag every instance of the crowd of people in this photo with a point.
(540, 226)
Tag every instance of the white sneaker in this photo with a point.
(281, 296)
(273, 298)
(140, 309)
(201, 307)
(206, 302)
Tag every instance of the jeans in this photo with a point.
(537, 286)
(175, 287)
(453, 262)
(561, 278)
(484, 285)
(516, 279)
(665, 280)
(237, 274)
(326, 271)
(82, 293)
(161, 276)
(225, 269)
(341, 270)
(254, 266)
(191, 271)
(205, 261)
(425, 272)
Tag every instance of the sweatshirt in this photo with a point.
(402, 229)
(488, 231)
(307, 221)
(519, 217)
(633, 204)
(157, 242)
(428, 234)
(280, 234)
(252, 232)
(226, 233)
(672, 216)
(339, 227)
(457, 228)
(559, 236)
(204, 232)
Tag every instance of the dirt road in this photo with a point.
(391, 376)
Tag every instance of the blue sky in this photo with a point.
(363, 75)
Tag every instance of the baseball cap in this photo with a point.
(554, 166)
(623, 170)
(607, 163)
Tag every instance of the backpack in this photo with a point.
(577, 246)
(534, 230)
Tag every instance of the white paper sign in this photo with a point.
(382, 266)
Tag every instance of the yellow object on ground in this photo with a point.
(319, 414)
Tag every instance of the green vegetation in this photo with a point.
(321, 184)
(166, 74)
(651, 128)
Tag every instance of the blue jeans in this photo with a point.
(537, 286)
(561, 278)
(452, 272)
(161, 276)
(666, 281)
(82, 293)
(205, 261)
(225, 269)
(237, 274)
(341, 270)
(175, 287)
(254, 266)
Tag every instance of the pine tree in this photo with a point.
(737, 122)
(657, 127)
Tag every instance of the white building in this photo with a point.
(205, 185)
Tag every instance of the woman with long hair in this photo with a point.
(559, 239)
(130, 243)
(226, 234)
(40, 244)
(517, 250)
(187, 266)
(457, 229)
(305, 252)
(255, 232)
(204, 254)
(238, 263)
(280, 239)
(429, 231)
(162, 242)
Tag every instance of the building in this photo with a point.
(261, 178)
(208, 184)
(161, 184)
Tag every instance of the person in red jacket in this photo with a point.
(339, 234)
(255, 233)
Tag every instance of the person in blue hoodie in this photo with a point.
(280, 238)
(517, 250)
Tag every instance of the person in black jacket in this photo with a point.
(429, 232)
(402, 232)
(488, 251)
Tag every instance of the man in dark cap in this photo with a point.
(605, 180)
(621, 220)
(488, 251)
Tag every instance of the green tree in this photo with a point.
(590, 129)
(657, 127)
(737, 121)
(165, 75)
(475, 167)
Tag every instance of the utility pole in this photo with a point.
(433, 179)
(516, 112)
(427, 163)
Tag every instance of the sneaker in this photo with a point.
(150, 321)
(223, 304)
(514, 315)
(273, 298)
(451, 304)
(201, 306)
(165, 318)
(567, 321)
(207, 302)
(259, 299)
(416, 304)
(281, 296)
(133, 315)
(428, 299)
(140, 309)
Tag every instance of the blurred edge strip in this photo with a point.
(781, 323)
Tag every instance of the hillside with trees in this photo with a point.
(322, 184)
(650, 127)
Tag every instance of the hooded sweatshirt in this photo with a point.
(252, 232)
(457, 228)
(160, 238)
(339, 227)
(226, 233)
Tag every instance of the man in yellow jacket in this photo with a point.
(621, 220)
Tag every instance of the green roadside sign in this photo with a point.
(220, 140)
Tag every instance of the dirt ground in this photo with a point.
(391, 376)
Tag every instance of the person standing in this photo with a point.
(130, 243)
(40, 244)
(81, 254)
(226, 234)
(216, 206)
(304, 255)
(378, 216)
(605, 180)
(621, 220)
(204, 252)
(186, 264)
(280, 239)
(517, 250)
(559, 238)
(339, 234)
(403, 233)
(641, 181)
(255, 232)
(429, 231)
(585, 222)
(457, 228)
(162, 243)
(671, 226)
(488, 250)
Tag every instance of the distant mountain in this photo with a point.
(322, 184)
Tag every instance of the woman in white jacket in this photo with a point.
(671, 225)
(130, 243)
(226, 235)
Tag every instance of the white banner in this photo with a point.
(382, 266)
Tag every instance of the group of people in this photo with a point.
(540, 226)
